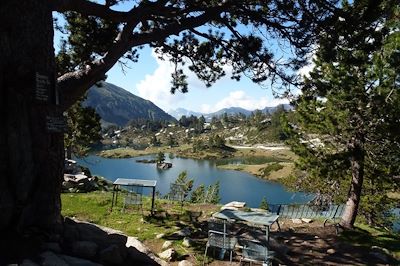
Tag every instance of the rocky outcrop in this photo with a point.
(90, 245)
(164, 165)
(79, 179)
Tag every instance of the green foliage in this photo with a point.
(198, 195)
(154, 141)
(198, 145)
(273, 167)
(228, 35)
(209, 195)
(171, 141)
(160, 157)
(212, 195)
(83, 129)
(264, 204)
(346, 126)
(186, 183)
(216, 141)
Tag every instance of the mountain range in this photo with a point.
(118, 106)
(178, 113)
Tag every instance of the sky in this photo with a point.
(150, 78)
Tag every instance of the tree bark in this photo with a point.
(357, 178)
(31, 158)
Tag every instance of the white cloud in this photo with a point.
(156, 86)
(240, 99)
(305, 70)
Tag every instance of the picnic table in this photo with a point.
(253, 217)
(133, 182)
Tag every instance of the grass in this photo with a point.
(94, 207)
(367, 236)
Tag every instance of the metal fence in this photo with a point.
(298, 211)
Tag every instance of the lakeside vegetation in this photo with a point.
(266, 164)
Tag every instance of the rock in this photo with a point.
(167, 244)
(51, 246)
(306, 220)
(84, 249)
(380, 249)
(380, 256)
(27, 262)
(296, 221)
(136, 249)
(111, 255)
(73, 261)
(160, 236)
(134, 242)
(135, 257)
(187, 242)
(168, 254)
(185, 263)
(331, 251)
(380, 253)
(51, 259)
(183, 232)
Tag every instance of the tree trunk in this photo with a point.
(357, 178)
(69, 152)
(31, 142)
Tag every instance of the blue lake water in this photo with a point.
(234, 185)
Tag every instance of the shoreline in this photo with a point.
(276, 154)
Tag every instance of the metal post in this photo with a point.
(152, 200)
(113, 195)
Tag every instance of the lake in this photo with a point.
(234, 185)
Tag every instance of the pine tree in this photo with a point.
(83, 129)
(34, 93)
(198, 195)
(264, 204)
(160, 157)
(347, 129)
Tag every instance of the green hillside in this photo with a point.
(118, 106)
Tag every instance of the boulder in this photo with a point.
(185, 263)
(51, 246)
(168, 254)
(380, 253)
(160, 236)
(183, 232)
(296, 221)
(111, 255)
(167, 244)
(187, 242)
(84, 249)
(73, 261)
(331, 251)
(51, 259)
(27, 262)
(306, 220)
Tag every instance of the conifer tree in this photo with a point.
(347, 129)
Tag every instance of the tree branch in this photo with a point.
(90, 9)
(73, 85)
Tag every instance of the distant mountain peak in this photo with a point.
(179, 112)
(118, 106)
